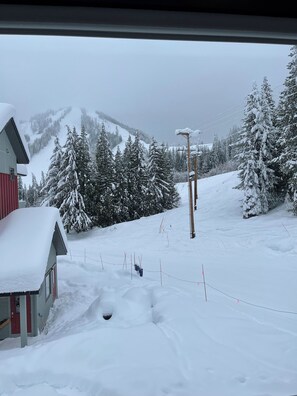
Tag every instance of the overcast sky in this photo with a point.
(156, 86)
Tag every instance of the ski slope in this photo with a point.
(166, 339)
(40, 161)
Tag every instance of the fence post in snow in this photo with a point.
(205, 294)
(131, 265)
(161, 278)
(125, 261)
(101, 263)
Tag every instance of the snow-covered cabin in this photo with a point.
(30, 240)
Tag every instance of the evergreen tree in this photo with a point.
(250, 186)
(41, 187)
(266, 92)
(136, 177)
(265, 143)
(247, 157)
(33, 192)
(50, 189)
(154, 192)
(161, 193)
(104, 181)
(21, 189)
(287, 126)
(121, 198)
(84, 170)
(170, 194)
(72, 208)
(216, 152)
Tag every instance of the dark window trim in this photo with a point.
(207, 24)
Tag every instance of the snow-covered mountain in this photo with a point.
(41, 129)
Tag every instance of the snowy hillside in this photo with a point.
(163, 337)
(41, 130)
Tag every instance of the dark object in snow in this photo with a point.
(138, 269)
(107, 316)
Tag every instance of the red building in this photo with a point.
(13, 151)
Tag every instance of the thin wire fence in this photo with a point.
(130, 262)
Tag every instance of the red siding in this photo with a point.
(8, 195)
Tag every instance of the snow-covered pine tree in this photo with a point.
(217, 153)
(170, 195)
(250, 185)
(265, 144)
(84, 170)
(255, 154)
(129, 176)
(41, 192)
(287, 126)
(161, 193)
(21, 189)
(247, 157)
(154, 191)
(33, 192)
(138, 179)
(121, 199)
(104, 181)
(267, 93)
(72, 208)
(50, 188)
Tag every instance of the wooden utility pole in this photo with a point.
(195, 181)
(192, 225)
(186, 133)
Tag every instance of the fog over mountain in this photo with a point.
(156, 86)
(42, 128)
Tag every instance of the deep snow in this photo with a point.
(166, 340)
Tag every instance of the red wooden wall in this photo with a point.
(8, 195)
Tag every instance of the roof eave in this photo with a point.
(16, 142)
(19, 293)
(58, 241)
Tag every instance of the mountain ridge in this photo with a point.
(41, 129)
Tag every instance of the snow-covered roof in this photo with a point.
(25, 241)
(6, 113)
(22, 170)
(16, 137)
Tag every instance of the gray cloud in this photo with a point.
(157, 86)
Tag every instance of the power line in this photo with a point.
(227, 114)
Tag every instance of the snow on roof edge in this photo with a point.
(22, 170)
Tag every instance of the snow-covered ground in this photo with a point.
(167, 340)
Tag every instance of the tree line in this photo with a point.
(104, 189)
(263, 148)
(267, 146)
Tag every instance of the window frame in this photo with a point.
(48, 285)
